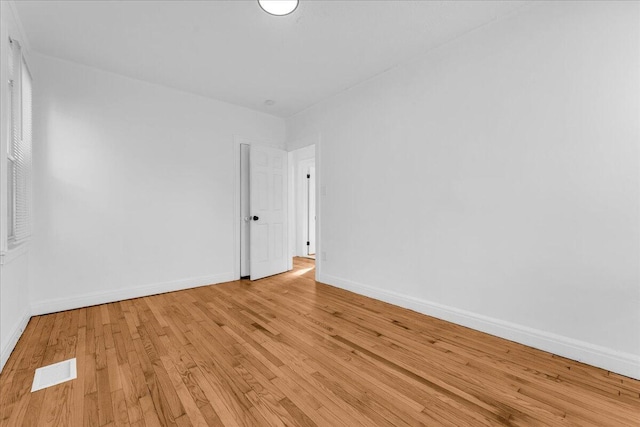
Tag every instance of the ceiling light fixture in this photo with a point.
(278, 7)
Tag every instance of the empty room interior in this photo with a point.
(319, 213)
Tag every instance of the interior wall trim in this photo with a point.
(14, 336)
(95, 298)
(602, 357)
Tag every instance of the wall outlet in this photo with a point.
(324, 256)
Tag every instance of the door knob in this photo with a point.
(255, 218)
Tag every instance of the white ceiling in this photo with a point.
(235, 52)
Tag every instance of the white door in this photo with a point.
(311, 211)
(268, 212)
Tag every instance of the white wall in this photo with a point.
(495, 182)
(14, 263)
(134, 186)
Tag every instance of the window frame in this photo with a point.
(18, 169)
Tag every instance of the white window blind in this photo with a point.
(19, 148)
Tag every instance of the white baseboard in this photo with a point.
(8, 347)
(94, 298)
(615, 361)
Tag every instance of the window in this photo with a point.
(19, 148)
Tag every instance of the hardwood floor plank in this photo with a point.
(131, 397)
(120, 412)
(105, 406)
(300, 418)
(90, 413)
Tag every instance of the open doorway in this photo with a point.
(310, 216)
(302, 220)
(303, 206)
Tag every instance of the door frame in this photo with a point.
(237, 141)
(302, 206)
(316, 140)
(311, 191)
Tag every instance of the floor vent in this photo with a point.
(51, 375)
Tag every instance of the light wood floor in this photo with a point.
(289, 351)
